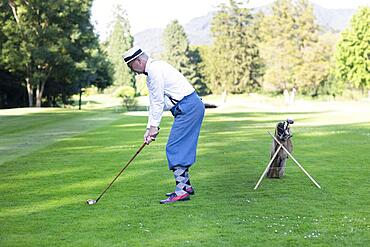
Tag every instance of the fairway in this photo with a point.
(52, 161)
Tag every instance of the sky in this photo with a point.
(144, 14)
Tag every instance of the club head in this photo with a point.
(91, 201)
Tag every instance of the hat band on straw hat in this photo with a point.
(133, 56)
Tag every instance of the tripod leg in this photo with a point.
(268, 166)
(301, 167)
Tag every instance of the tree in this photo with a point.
(207, 66)
(312, 75)
(66, 81)
(119, 41)
(175, 45)
(236, 56)
(178, 53)
(45, 38)
(194, 72)
(279, 46)
(353, 52)
(307, 31)
(12, 93)
(293, 53)
(315, 59)
(11, 90)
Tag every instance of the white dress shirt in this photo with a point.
(164, 81)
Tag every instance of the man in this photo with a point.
(170, 90)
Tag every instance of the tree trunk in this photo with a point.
(40, 89)
(224, 95)
(30, 92)
(14, 10)
(38, 95)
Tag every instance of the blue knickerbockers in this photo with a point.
(182, 142)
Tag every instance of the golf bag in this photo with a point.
(283, 134)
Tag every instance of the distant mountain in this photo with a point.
(335, 20)
(150, 40)
(198, 29)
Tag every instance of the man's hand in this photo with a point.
(146, 135)
(150, 134)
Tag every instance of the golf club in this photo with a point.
(92, 201)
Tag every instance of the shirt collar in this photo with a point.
(147, 65)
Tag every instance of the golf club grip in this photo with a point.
(128, 163)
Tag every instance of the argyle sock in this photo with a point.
(179, 173)
(187, 180)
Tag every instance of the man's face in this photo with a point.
(137, 66)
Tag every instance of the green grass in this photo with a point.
(43, 189)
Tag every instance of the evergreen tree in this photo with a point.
(178, 53)
(236, 57)
(119, 41)
(207, 67)
(194, 72)
(176, 45)
(353, 52)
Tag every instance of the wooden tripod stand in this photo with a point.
(291, 156)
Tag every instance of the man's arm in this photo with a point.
(156, 97)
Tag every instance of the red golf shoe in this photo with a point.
(190, 191)
(174, 198)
